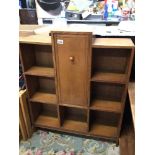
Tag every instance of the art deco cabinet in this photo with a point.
(77, 83)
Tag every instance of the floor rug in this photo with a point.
(50, 143)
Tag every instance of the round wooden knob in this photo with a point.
(71, 58)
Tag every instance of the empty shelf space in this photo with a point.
(75, 125)
(33, 56)
(74, 119)
(47, 121)
(107, 91)
(103, 130)
(40, 71)
(109, 77)
(104, 123)
(44, 98)
(103, 105)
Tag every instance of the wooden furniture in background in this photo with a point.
(131, 92)
(28, 16)
(127, 136)
(77, 85)
(24, 119)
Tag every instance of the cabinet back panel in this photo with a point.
(32, 84)
(46, 85)
(75, 114)
(27, 55)
(110, 60)
(107, 91)
(106, 118)
(43, 109)
(36, 55)
(36, 110)
(43, 55)
(49, 110)
(41, 84)
(62, 114)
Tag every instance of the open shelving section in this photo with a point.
(77, 86)
(110, 70)
(39, 73)
(44, 115)
(106, 96)
(37, 60)
(103, 123)
(74, 118)
(41, 89)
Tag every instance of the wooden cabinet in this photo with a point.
(78, 84)
(72, 53)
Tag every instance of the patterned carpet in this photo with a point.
(49, 143)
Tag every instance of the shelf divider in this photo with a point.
(47, 121)
(103, 105)
(109, 77)
(44, 98)
(40, 71)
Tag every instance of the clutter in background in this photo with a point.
(108, 8)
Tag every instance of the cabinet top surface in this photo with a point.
(112, 43)
(28, 36)
(35, 39)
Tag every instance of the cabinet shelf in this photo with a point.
(74, 106)
(75, 125)
(103, 130)
(103, 105)
(109, 77)
(47, 121)
(44, 98)
(40, 71)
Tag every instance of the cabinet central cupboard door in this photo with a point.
(72, 55)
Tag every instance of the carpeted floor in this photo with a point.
(49, 143)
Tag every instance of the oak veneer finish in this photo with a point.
(79, 86)
(72, 65)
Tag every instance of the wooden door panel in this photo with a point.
(72, 67)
